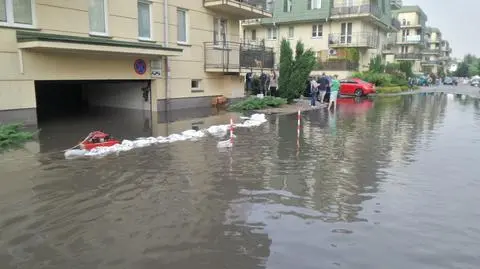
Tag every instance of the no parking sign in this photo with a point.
(140, 66)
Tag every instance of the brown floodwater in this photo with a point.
(392, 183)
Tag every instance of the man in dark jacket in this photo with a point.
(323, 83)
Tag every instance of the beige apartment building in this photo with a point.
(153, 55)
(332, 29)
(409, 42)
(431, 62)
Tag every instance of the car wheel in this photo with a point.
(358, 92)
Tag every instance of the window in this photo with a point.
(270, 5)
(346, 33)
(314, 4)
(98, 17)
(17, 12)
(291, 32)
(254, 34)
(219, 31)
(144, 20)
(272, 33)
(287, 5)
(317, 31)
(195, 85)
(182, 35)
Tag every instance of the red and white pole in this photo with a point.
(299, 117)
(231, 131)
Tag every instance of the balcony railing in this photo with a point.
(357, 10)
(354, 40)
(337, 65)
(408, 56)
(235, 57)
(431, 51)
(412, 39)
(241, 9)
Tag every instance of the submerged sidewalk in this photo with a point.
(299, 104)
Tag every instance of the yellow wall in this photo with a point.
(71, 18)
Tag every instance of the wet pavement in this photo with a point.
(389, 183)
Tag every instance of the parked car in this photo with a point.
(356, 87)
(448, 81)
(475, 82)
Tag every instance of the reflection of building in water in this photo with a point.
(341, 167)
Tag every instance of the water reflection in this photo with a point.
(367, 175)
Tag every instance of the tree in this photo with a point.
(376, 65)
(462, 70)
(406, 67)
(294, 73)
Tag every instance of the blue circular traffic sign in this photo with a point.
(140, 66)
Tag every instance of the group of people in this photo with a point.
(319, 87)
(268, 83)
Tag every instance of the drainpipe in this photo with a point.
(165, 43)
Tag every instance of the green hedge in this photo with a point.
(11, 135)
(255, 103)
(382, 79)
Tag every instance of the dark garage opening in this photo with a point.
(68, 110)
(77, 99)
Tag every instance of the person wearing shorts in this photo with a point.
(334, 89)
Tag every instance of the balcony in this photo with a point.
(251, 22)
(349, 11)
(396, 4)
(354, 40)
(408, 56)
(430, 62)
(431, 51)
(411, 39)
(236, 57)
(434, 41)
(337, 65)
(239, 9)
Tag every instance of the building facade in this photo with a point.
(153, 55)
(423, 46)
(410, 40)
(345, 35)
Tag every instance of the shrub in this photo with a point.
(379, 79)
(11, 135)
(254, 103)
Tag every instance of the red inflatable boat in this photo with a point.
(97, 139)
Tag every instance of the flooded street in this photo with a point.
(392, 184)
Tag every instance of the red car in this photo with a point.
(356, 86)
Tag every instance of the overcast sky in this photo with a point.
(458, 20)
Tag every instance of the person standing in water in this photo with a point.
(334, 89)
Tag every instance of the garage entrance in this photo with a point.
(59, 99)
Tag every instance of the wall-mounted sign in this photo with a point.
(140, 67)
(156, 68)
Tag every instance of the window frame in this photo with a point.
(274, 31)
(105, 7)
(292, 36)
(217, 35)
(314, 4)
(317, 26)
(10, 16)
(187, 23)
(150, 14)
(198, 88)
